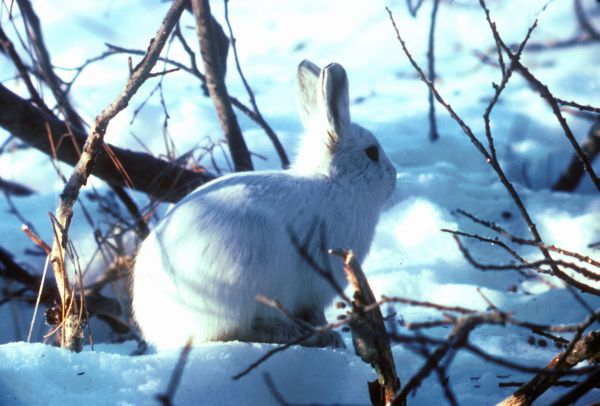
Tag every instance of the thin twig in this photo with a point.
(545, 93)
(193, 70)
(273, 390)
(269, 354)
(506, 75)
(166, 399)
(523, 241)
(457, 309)
(578, 106)
(494, 164)
(414, 8)
(535, 265)
(584, 349)
(325, 273)
(456, 339)
(478, 352)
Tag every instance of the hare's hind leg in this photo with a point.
(316, 318)
(284, 331)
(274, 330)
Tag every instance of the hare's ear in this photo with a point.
(334, 100)
(308, 83)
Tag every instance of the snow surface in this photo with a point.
(410, 256)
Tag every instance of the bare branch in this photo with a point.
(93, 146)
(545, 93)
(578, 106)
(34, 32)
(456, 339)
(161, 179)
(215, 81)
(269, 354)
(469, 133)
(506, 75)
(166, 399)
(274, 391)
(553, 263)
(457, 309)
(522, 241)
(192, 70)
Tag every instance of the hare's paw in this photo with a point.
(273, 330)
(325, 339)
(282, 331)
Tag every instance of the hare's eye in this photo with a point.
(372, 152)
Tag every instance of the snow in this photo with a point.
(109, 376)
(410, 257)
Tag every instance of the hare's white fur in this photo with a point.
(198, 273)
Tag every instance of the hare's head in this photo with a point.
(333, 145)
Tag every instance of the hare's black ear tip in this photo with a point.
(335, 69)
(304, 63)
(307, 65)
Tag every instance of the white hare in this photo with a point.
(199, 272)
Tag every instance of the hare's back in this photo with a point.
(243, 209)
(233, 227)
(278, 196)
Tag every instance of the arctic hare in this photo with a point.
(199, 272)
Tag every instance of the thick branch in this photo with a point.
(369, 337)
(34, 32)
(158, 178)
(215, 81)
(9, 48)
